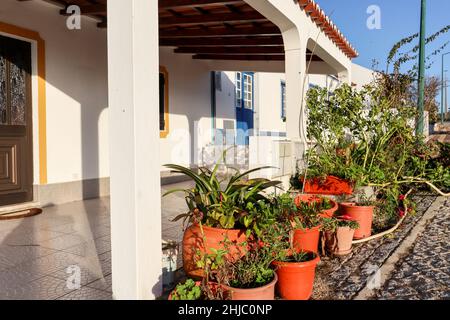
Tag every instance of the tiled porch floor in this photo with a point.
(38, 254)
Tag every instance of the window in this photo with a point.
(244, 90)
(283, 100)
(163, 102)
(248, 91)
(238, 89)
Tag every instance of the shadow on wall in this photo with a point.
(189, 108)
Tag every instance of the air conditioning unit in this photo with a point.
(273, 152)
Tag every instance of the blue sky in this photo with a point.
(399, 19)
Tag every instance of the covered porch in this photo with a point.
(190, 39)
(240, 32)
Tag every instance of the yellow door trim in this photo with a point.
(42, 112)
(165, 132)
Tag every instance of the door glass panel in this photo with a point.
(248, 91)
(2, 90)
(18, 94)
(238, 89)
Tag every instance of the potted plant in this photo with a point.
(338, 232)
(251, 277)
(326, 206)
(189, 290)
(361, 212)
(295, 269)
(306, 221)
(217, 212)
(197, 290)
(330, 185)
(296, 273)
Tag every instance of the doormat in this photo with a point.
(20, 214)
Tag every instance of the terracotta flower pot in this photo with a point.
(340, 242)
(307, 239)
(312, 198)
(296, 279)
(215, 238)
(363, 215)
(266, 292)
(331, 186)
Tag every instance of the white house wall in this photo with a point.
(268, 116)
(189, 109)
(225, 101)
(361, 76)
(76, 92)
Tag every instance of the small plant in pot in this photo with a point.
(197, 290)
(251, 277)
(217, 210)
(189, 290)
(361, 212)
(206, 289)
(326, 206)
(295, 269)
(306, 221)
(338, 233)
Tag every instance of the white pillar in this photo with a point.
(133, 61)
(296, 89)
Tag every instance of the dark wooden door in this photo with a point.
(16, 159)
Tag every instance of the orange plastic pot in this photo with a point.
(215, 239)
(266, 292)
(339, 243)
(363, 215)
(307, 239)
(296, 279)
(331, 186)
(315, 199)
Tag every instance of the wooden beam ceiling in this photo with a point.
(233, 50)
(219, 31)
(241, 57)
(206, 29)
(177, 4)
(224, 42)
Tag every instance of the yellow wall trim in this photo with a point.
(42, 121)
(165, 132)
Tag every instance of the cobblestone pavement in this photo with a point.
(342, 278)
(424, 274)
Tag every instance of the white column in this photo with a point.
(133, 61)
(296, 89)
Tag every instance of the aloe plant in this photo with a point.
(222, 203)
